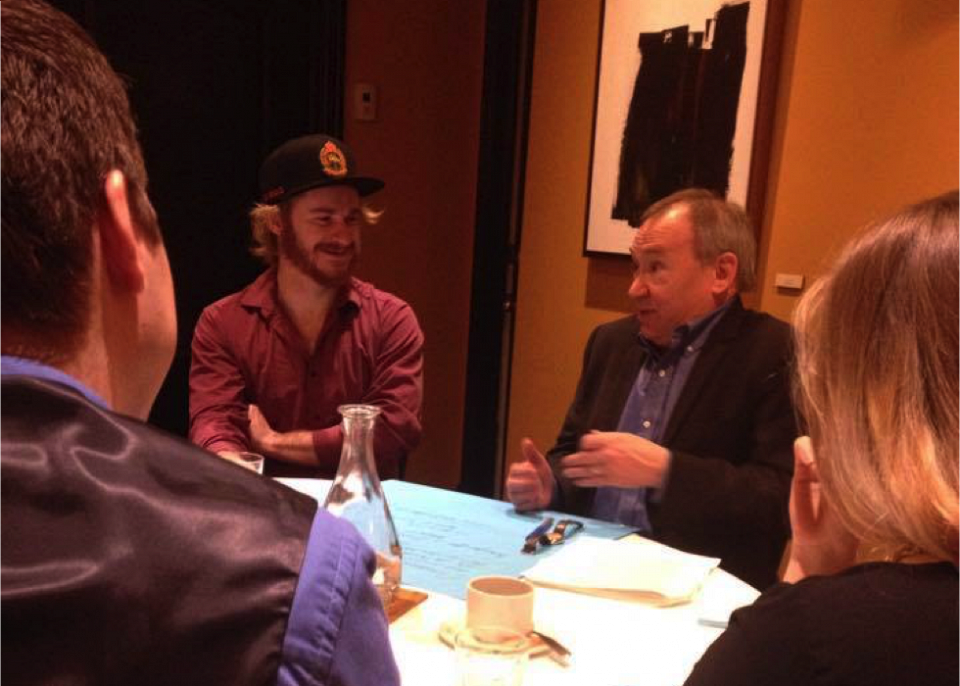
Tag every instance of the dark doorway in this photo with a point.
(507, 72)
(215, 85)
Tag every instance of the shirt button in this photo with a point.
(689, 348)
(646, 423)
(662, 373)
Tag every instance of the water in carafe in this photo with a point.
(357, 496)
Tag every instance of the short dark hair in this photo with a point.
(66, 123)
(719, 226)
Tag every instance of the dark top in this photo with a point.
(875, 624)
(731, 435)
(246, 350)
(132, 557)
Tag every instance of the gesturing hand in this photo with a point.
(530, 482)
(821, 544)
(616, 459)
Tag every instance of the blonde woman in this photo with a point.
(871, 587)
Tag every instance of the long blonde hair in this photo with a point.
(877, 382)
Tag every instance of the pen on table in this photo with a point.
(530, 540)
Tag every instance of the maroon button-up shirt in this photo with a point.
(246, 350)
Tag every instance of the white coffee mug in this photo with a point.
(500, 601)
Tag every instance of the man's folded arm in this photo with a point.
(218, 408)
(397, 386)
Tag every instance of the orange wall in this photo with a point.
(868, 124)
(562, 295)
(866, 121)
(426, 59)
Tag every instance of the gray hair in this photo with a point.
(719, 226)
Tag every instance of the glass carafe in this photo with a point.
(357, 496)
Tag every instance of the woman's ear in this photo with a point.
(118, 239)
(805, 458)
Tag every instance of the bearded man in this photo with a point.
(272, 363)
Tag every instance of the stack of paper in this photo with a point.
(633, 568)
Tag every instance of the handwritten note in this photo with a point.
(449, 537)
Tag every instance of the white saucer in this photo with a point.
(449, 629)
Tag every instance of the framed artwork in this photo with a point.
(685, 94)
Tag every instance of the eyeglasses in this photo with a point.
(565, 528)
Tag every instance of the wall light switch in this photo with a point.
(791, 281)
(365, 102)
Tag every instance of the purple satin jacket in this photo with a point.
(132, 557)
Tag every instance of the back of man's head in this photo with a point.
(719, 226)
(66, 123)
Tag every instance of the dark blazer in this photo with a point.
(731, 435)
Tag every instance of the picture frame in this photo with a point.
(684, 98)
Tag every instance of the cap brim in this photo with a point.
(365, 185)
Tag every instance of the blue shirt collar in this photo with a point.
(20, 366)
(693, 334)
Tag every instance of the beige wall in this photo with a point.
(866, 121)
(426, 58)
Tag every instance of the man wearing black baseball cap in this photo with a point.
(272, 363)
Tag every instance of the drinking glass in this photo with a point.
(252, 461)
(491, 656)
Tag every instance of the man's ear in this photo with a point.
(275, 222)
(118, 238)
(725, 273)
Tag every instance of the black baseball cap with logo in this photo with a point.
(311, 162)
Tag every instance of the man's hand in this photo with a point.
(295, 447)
(262, 434)
(616, 459)
(821, 544)
(530, 482)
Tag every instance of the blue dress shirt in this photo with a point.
(648, 410)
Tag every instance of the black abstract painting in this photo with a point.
(682, 116)
(675, 107)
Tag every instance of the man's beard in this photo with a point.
(299, 257)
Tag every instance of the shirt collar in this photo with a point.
(692, 335)
(20, 366)
(262, 294)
